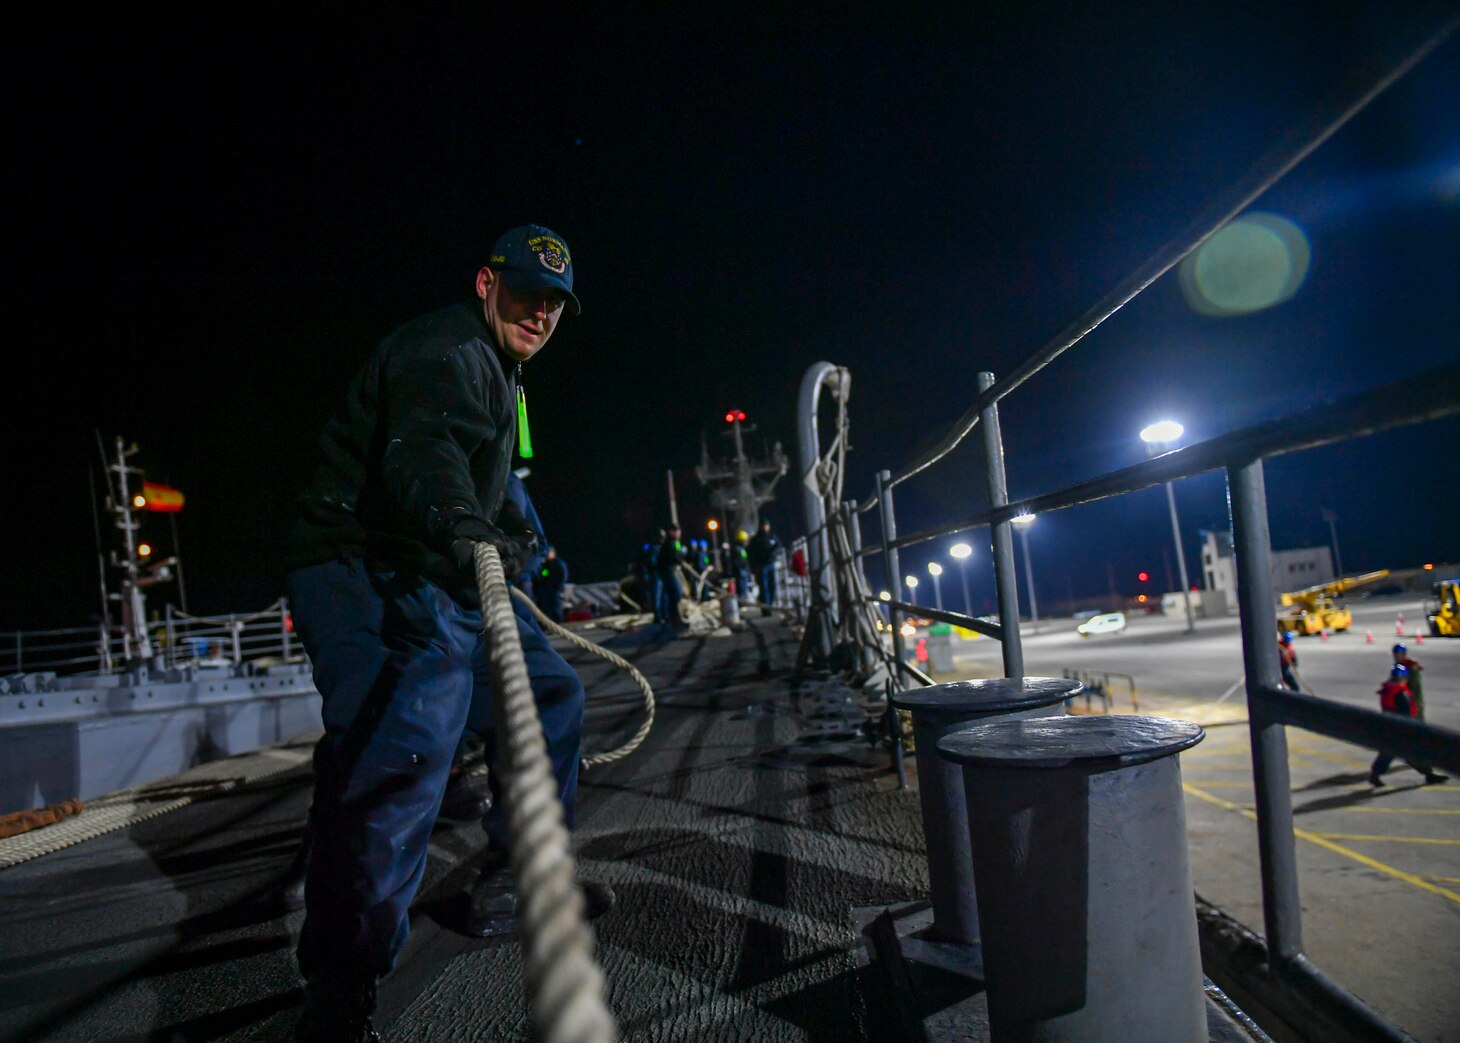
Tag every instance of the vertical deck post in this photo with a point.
(1281, 908)
(899, 652)
(1002, 535)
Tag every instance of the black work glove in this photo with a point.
(514, 552)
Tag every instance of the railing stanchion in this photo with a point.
(889, 560)
(1282, 912)
(1001, 533)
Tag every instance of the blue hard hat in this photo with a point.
(1399, 671)
(1399, 650)
(1288, 637)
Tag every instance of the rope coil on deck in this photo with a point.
(564, 983)
(639, 736)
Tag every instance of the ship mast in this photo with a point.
(134, 609)
(740, 486)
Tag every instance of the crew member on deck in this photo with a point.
(382, 584)
(547, 585)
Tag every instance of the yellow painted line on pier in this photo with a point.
(1323, 842)
(1384, 839)
(1385, 811)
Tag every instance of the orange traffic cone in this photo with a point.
(1368, 637)
(1419, 636)
(1323, 634)
(1399, 628)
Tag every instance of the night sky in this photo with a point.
(212, 222)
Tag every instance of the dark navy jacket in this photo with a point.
(418, 453)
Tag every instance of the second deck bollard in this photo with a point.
(936, 711)
(1084, 880)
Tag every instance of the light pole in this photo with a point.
(962, 551)
(1022, 524)
(912, 586)
(1161, 437)
(935, 570)
(1328, 516)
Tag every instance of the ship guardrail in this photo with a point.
(1427, 397)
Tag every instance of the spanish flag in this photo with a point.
(161, 497)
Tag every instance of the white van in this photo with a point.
(1105, 623)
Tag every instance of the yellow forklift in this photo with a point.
(1314, 610)
(1444, 611)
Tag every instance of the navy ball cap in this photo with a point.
(532, 257)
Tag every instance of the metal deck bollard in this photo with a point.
(936, 711)
(1084, 880)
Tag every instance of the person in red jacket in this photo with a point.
(1403, 658)
(1395, 697)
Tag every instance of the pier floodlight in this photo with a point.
(960, 550)
(911, 581)
(934, 569)
(884, 595)
(1162, 432)
(1023, 520)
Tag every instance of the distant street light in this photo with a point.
(935, 570)
(884, 595)
(962, 552)
(1161, 437)
(912, 585)
(1022, 524)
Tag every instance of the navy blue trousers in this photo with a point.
(767, 577)
(669, 595)
(402, 668)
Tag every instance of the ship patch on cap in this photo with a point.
(552, 253)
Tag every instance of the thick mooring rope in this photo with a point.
(564, 983)
(629, 747)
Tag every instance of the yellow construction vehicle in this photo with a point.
(1444, 612)
(1314, 610)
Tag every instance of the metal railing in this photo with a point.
(180, 639)
(1240, 455)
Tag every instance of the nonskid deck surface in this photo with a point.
(741, 838)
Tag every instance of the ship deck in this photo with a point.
(770, 876)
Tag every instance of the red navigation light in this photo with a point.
(1143, 576)
(730, 418)
(740, 414)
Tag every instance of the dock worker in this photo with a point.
(1396, 697)
(1414, 673)
(412, 477)
(1288, 660)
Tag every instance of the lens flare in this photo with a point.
(1254, 262)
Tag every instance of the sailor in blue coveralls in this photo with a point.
(382, 587)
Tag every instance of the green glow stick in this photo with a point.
(524, 433)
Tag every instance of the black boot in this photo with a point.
(492, 907)
(291, 888)
(463, 802)
(338, 1010)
